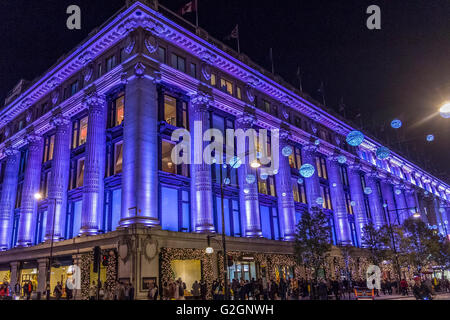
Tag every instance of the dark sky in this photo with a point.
(402, 70)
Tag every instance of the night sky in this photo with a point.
(401, 71)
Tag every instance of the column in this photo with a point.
(42, 277)
(94, 167)
(14, 278)
(30, 187)
(357, 195)
(376, 208)
(59, 178)
(140, 154)
(8, 196)
(388, 198)
(248, 192)
(201, 186)
(410, 195)
(400, 202)
(312, 184)
(285, 196)
(343, 231)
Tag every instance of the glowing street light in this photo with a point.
(416, 215)
(255, 164)
(38, 196)
(209, 250)
(445, 110)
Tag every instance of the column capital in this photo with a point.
(246, 120)
(10, 151)
(59, 120)
(92, 99)
(201, 101)
(33, 138)
(310, 147)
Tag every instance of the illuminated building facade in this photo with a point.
(93, 137)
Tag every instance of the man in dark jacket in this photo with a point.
(420, 290)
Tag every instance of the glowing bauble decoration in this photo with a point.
(224, 166)
(441, 210)
(300, 181)
(307, 170)
(319, 200)
(246, 191)
(426, 193)
(263, 176)
(367, 190)
(275, 171)
(398, 192)
(235, 162)
(214, 160)
(342, 159)
(355, 138)
(283, 194)
(383, 153)
(430, 137)
(384, 205)
(286, 151)
(352, 203)
(334, 185)
(396, 123)
(250, 178)
(226, 181)
(445, 110)
(317, 142)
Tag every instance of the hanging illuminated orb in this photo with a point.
(334, 185)
(383, 153)
(367, 190)
(352, 203)
(441, 210)
(235, 162)
(398, 192)
(445, 110)
(307, 170)
(224, 166)
(263, 176)
(396, 123)
(426, 193)
(430, 137)
(286, 151)
(319, 200)
(355, 138)
(226, 181)
(246, 191)
(250, 178)
(384, 205)
(317, 142)
(342, 159)
(300, 181)
(283, 194)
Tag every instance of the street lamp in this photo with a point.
(445, 110)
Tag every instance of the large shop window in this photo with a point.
(231, 215)
(79, 132)
(174, 112)
(117, 111)
(167, 164)
(73, 219)
(269, 222)
(174, 209)
(113, 203)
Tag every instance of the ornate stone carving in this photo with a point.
(139, 69)
(53, 82)
(250, 93)
(93, 99)
(130, 45)
(151, 43)
(86, 57)
(88, 72)
(201, 98)
(208, 57)
(285, 113)
(28, 116)
(55, 97)
(150, 248)
(247, 120)
(10, 151)
(206, 71)
(7, 131)
(59, 120)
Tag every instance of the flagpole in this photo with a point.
(271, 60)
(196, 13)
(238, 45)
(299, 75)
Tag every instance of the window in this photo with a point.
(174, 209)
(80, 173)
(162, 54)
(178, 62)
(348, 205)
(49, 144)
(41, 224)
(117, 111)
(321, 167)
(213, 79)
(269, 223)
(73, 219)
(118, 157)
(266, 106)
(174, 112)
(226, 86)
(266, 186)
(45, 182)
(110, 63)
(325, 194)
(238, 93)
(122, 55)
(344, 175)
(74, 88)
(299, 191)
(113, 202)
(295, 159)
(193, 70)
(79, 132)
(99, 70)
(166, 160)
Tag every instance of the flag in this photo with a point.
(299, 77)
(188, 7)
(235, 33)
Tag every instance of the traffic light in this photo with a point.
(230, 261)
(105, 260)
(97, 253)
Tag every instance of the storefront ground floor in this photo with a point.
(142, 256)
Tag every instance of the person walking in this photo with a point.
(57, 291)
(196, 290)
(420, 290)
(152, 292)
(404, 287)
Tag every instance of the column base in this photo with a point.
(289, 237)
(253, 234)
(24, 244)
(88, 232)
(208, 228)
(3, 248)
(145, 221)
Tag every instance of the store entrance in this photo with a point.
(242, 270)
